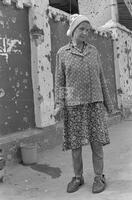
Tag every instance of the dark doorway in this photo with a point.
(69, 6)
(125, 17)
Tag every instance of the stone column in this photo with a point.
(42, 77)
(114, 10)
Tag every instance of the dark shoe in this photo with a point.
(99, 184)
(75, 184)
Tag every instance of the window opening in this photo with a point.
(69, 6)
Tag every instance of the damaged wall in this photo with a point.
(104, 13)
(123, 57)
(19, 3)
(16, 94)
(98, 11)
(41, 64)
(42, 67)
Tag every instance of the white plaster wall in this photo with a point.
(19, 3)
(41, 67)
(98, 11)
(123, 57)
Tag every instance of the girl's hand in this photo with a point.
(111, 109)
(112, 112)
(58, 113)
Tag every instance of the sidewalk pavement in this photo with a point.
(48, 179)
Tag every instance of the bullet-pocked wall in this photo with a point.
(98, 11)
(43, 50)
(16, 93)
(42, 76)
(124, 59)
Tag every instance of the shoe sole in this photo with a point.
(95, 192)
(76, 189)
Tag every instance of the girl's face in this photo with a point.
(81, 32)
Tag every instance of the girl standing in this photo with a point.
(81, 96)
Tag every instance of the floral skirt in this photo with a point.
(83, 124)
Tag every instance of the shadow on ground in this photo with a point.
(54, 172)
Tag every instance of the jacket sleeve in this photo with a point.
(59, 82)
(106, 96)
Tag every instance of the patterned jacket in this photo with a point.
(79, 77)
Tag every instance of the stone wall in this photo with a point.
(98, 11)
(124, 59)
(16, 92)
(122, 49)
(41, 63)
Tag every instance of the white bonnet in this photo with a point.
(75, 20)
